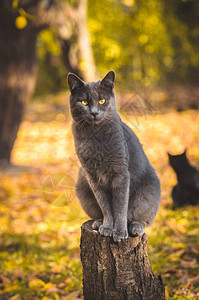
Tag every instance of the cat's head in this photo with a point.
(92, 102)
(177, 161)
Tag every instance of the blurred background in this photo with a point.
(153, 46)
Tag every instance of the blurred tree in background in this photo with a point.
(65, 49)
(20, 23)
(145, 42)
(182, 21)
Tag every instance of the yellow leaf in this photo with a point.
(49, 285)
(51, 288)
(15, 297)
(143, 39)
(15, 3)
(179, 245)
(20, 22)
(36, 282)
(175, 258)
(128, 2)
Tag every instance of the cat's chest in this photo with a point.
(94, 150)
(101, 155)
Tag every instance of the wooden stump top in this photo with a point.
(134, 241)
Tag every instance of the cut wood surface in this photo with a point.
(117, 270)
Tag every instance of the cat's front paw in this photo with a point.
(136, 229)
(105, 230)
(96, 224)
(119, 235)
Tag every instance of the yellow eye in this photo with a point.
(84, 102)
(102, 101)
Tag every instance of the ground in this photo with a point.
(41, 216)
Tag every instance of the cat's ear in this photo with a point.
(108, 80)
(74, 82)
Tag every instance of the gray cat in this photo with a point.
(117, 186)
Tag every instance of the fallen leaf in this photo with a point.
(36, 282)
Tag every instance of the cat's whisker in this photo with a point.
(81, 122)
(110, 121)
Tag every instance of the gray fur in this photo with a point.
(117, 186)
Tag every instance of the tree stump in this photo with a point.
(117, 271)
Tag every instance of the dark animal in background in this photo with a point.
(186, 192)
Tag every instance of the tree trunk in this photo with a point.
(117, 270)
(17, 76)
(18, 57)
(87, 65)
(70, 63)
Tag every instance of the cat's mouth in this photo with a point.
(93, 119)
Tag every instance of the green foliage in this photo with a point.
(131, 42)
(52, 73)
(182, 24)
(144, 41)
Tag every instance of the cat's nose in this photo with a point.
(94, 111)
(94, 114)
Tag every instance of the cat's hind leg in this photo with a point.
(136, 228)
(143, 207)
(97, 223)
(87, 198)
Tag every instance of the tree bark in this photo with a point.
(86, 63)
(117, 271)
(17, 76)
(18, 61)
(18, 56)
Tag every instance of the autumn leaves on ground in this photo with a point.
(41, 216)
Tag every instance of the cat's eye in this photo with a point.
(102, 101)
(84, 102)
